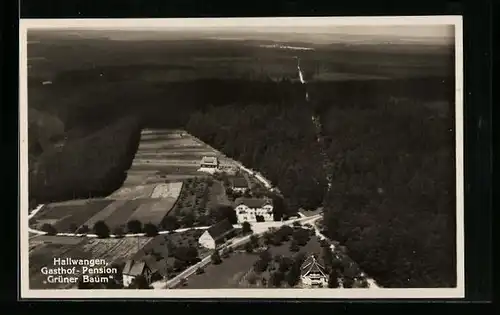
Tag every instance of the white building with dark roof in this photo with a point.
(209, 164)
(216, 234)
(313, 274)
(253, 209)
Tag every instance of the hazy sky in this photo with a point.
(320, 30)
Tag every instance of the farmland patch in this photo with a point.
(153, 211)
(65, 217)
(105, 213)
(121, 215)
(135, 192)
(167, 190)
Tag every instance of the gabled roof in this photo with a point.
(209, 160)
(239, 182)
(220, 229)
(252, 202)
(134, 268)
(312, 265)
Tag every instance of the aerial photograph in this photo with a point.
(251, 156)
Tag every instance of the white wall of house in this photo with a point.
(245, 213)
(206, 240)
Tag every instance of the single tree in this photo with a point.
(293, 276)
(294, 247)
(249, 247)
(268, 238)
(101, 229)
(254, 240)
(183, 282)
(199, 271)
(215, 258)
(134, 226)
(150, 230)
(49, 229)
(265, 256)
(333, 280)
(251, 278)
(84, 229)
(246, 227)
(276, 278)
(179, 265)
(170, 223)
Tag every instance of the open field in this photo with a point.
(43, 249)
(135, 192)
(63, 217)
(120, 216)
(224, 275)
(153, 211)
(165, 155)
(146, 203)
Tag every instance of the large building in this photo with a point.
(313, 274)
(216, 234)
(209, 164)
(253, 209)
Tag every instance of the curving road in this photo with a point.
(258, 228)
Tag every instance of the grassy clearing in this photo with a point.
(153, 211)
(121, 215)
(65, 217)
(224, 275)
(139, 191)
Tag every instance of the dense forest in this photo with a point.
(87, 167)
(392, 200)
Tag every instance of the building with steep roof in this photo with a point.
(134, 268)
(253, 209)
(216, 234)
(313, 274)
(238, 183)
(209, 164)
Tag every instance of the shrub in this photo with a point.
(215, 258)
(134, 227)
(150, 229)
(101, 229)
(84, 229)
(199, 271)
